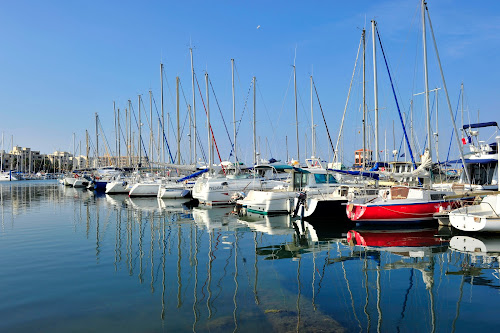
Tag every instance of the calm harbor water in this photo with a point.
(75, 261)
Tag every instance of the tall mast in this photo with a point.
(313, 145)
(426, 82)
(178, 123)
(296, 112)
(74, 153)
(116, 133)
(437, 127)
(162, 117)
(190, 135)
(234, 115)
(119, 138)
(139, 162)
(364, 98)
(151, 129)
(97, 139)
(130, 142)
(254, 129)
(462, 105)
(448, 98)
(210, 157)
(194, 107)
(87, 150)
(375, 88)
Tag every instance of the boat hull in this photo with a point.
(393, 212)
(267, 202)
(144, 190)
(117, 187)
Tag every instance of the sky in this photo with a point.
(63, 61)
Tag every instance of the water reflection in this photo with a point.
(205, 269)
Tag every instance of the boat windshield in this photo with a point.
(322, 179)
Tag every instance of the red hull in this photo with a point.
(395, 212)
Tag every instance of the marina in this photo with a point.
(299, 168)
(83, 261)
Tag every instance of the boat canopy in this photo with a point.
(358, 173)
(479, 125)
(193, 175)
(475, 161)
(277, 166)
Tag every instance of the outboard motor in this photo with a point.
(301, 201)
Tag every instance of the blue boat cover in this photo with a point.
(358, 173)
(193, 175)
(479, 125)
(478, 161)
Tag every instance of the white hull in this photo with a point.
(144, 190)
(218, 191)
(5, 176)
(170, 193)
(267, 202)
(118, 187)
(69, 181)
(173, 190)
(483, 217)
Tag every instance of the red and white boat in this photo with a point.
(399, 204)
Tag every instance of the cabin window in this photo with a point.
(322, 179)
(437, 196)
(299, 180)
(482, 173)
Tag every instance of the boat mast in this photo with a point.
(140, 135)
(448, 98)
(234, 116)
(363, 36)
(151, 139)
(426, 83)
(178, 123)
(437, 127)
(194, 107)
(313, 146)
(119, 138)
(116, 132)
(162, 117)
(296, 112)
(74, 153)
(87, 150)
(254, 129)
(462, 107)
(130, 142)
(375, 88)
(210, 157)
(97, 140)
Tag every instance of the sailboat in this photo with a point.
(219, 189)
(403, 203)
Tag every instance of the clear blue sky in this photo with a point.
(62, 61)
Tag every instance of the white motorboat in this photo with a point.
(220, 190)
(482, 217)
